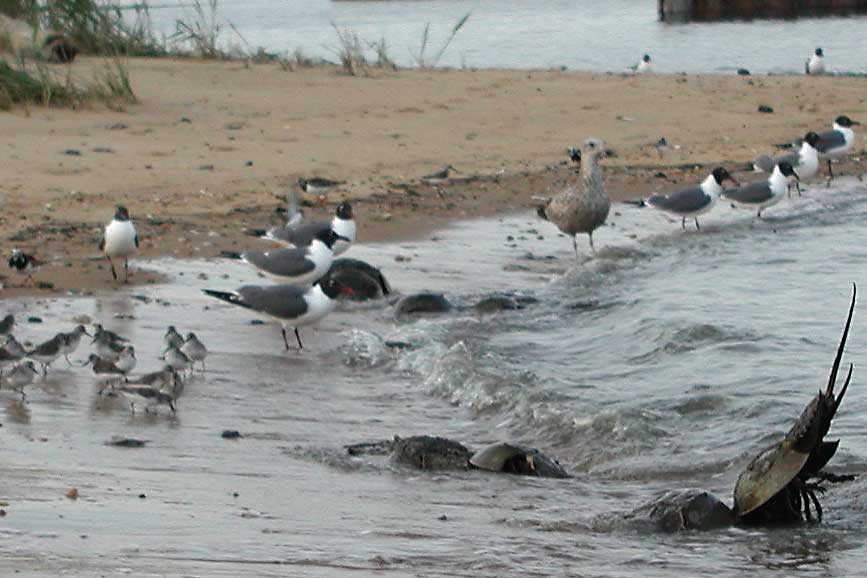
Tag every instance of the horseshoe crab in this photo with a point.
(438, 453)
(780, 485)
(366, 281)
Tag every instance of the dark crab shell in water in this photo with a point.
(430, 453)
(678, 510)
(513, 459)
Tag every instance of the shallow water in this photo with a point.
(582, 34)
(666, 361)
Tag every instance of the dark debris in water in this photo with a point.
(122, 442)
(230, 434)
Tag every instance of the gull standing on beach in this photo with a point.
(300, 234)
(644, 66)
(694, 201)
(805, 162)
(584, 208)
(120, 240)
(837, 142)
(816, 63)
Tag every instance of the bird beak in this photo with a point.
(611, 153)
(342, 238)
(856, 122)
(734, 182)
(531, 464)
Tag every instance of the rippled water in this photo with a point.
(666, 361)
(579, 34)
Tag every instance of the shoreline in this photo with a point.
(212, 147)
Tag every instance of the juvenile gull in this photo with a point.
(301, 234)
(119, 240)
(763, 194)
(584, 208)
(694, 201)
(292, 305)
(816, 63)
(805, 161)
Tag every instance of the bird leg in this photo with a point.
(298, 337)
(683, 223)
(592, 248)
(798, 188)
(830, 172)
(113, 272)
(125, 270)
(285, 340)
(575, 244)
(67, 360)
(697, 227)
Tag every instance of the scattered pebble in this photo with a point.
(118, 126)
(248, 164)
(72, 152)
(743, 72)
(122, 442)
(443, 518)
(185, 119)
(142, 496)
(34, 319)
(107, 150)
(766, 109)
(207, 167)
(72, 493)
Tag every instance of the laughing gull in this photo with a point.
(693, 201)
(816, 63)
(194, 349)
(302, 234)
(119, 240)
(837, 142)
(21, 375)
(805, 162)
(24, 264)
(318, 184)
(291, 305)
(71, 341)
(584, 208)
(7, 324)
(644, 66)
(763, 194)
(299, 265)
(47, 351)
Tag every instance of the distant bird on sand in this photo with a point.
(119, 240)
(644, 65)
(584, 208)
(318, 185)
(24, 264)
(693, 201)
(816, 63)
(439, 177)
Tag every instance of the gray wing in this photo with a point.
(683, 201)
(767, 164)
(830, 140)
(282, 262)
(283, 301)
(299, 235)
(752, 193)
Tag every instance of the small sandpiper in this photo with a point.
(172, 338)
(439, 177)
(318, 184)
(126, 360)
(166, 378)
(10, 352)
(194, 349)
(71, 341)
(177, 359)
(104, 370)
(101, 332)
(47, 351)
(7, 324)
(21, 375)
(144, 395)
(107, 348)
(120, 240)
(24, 264)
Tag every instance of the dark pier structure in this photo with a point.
(709, 10)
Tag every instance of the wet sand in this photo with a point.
(212, 147)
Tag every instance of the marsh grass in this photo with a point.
(201, 31)
(420, 56)
(100, 27)
(30, 83)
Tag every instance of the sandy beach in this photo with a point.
(212, 147)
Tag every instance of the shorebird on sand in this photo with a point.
(582, 208)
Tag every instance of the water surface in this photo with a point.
(666, 361)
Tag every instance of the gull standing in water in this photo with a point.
(584, 208)
(763, 194)
(694, 201)
(300, 234)
(837, 142)
(120, 240)
(644, 66)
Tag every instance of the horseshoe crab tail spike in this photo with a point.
(843, 390)
(833, 377)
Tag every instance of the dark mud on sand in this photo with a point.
(666, 361)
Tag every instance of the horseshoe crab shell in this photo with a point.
(514, 459)
(430, 453)
(802, 453)
(366, 281)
